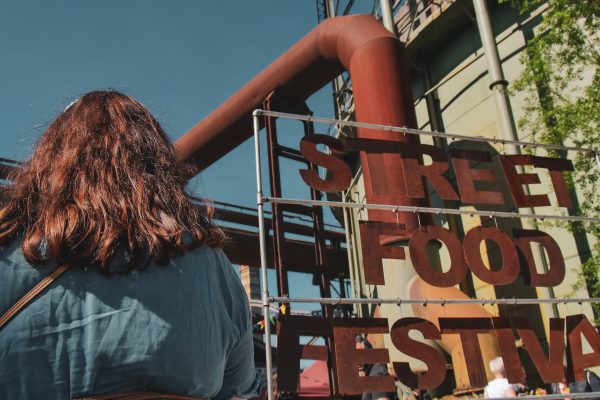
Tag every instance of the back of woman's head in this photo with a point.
(104, 179)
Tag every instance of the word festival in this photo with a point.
(565, 334)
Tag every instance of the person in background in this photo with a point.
(561, 388)
(499, 386)
(591, 383)
(519, 388)
(137, 294)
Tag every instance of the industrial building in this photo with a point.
(454, 91)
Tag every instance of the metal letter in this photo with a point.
(551, 367)
(341, 175)
(577, 360)
(348, 357)
(373, 251)
(466, 177)
(289, 350)
(468, 328)
(508, 349)
(516, 181)
(418, 255)
(415, 172)
(556, 267)
(436, 364)
(508, 272)
(555, 167)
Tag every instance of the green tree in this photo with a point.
(561, 79)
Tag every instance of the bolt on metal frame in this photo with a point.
(266, 299)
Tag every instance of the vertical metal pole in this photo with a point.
(388, 16)
(338, 82)
(273, 153)
(263, 255)
(330, 7)
(349, 246)
(598, 159)
(321, 261)
(498, 84)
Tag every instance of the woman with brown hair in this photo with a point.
(135, 294)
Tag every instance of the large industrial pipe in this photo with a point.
(382, 94)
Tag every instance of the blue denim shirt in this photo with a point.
(183, 328)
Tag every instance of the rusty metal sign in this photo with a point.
(550, 368)
(468, 329)
(577, 360)
(509, 270)
(373, 251)
(348, 357)
(420, 259)
(433, 359)
(399, 170)
(340, 172)
(556, 263)
(467, 177)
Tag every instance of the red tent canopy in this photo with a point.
(314, 381)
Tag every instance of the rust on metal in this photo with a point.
(508, 272)
(281, 271)
(420, 259)
(516, 181)
(241, 247)
(348, 357)
(556, 167)
(282, 260)
(314, 352)
(290, 351)
(416, 172)
(358, 44)
(556, 263)
(468, 329)
(467, 177)
(433, 359)
(373, 251)
(340, 172)
(578, 360)
(321, 275)
(510, 354)
(550, 367)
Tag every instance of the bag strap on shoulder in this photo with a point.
(29, 296)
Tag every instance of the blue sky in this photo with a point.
(180, 58)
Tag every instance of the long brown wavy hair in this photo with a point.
(104, 179)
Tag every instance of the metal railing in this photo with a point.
(410, 16)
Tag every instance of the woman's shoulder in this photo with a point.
(213, 266)
(205, 260)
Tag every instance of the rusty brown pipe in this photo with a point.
(382, 94)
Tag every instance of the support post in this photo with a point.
(263, 256)
(498, 84)
(388, 16)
